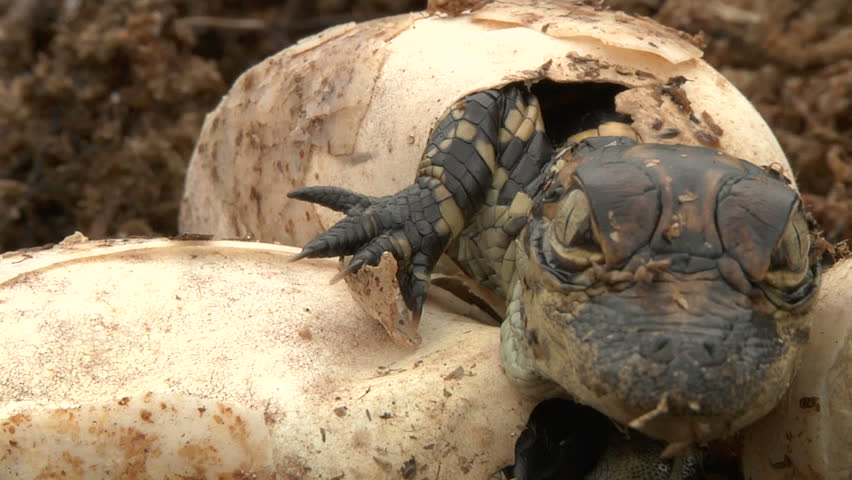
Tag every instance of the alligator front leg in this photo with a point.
(482, 153)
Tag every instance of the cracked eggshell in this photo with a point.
(167, 359)
(353, 106)
(807, 436)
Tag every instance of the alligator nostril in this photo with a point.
(659, 349)
(708, 353)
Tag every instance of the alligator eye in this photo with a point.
(570, 237)
(788, 266)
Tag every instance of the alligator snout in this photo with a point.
(683, 360)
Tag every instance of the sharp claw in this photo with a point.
(353, 267)
(417, 308)
(335, 198)
(295, 258)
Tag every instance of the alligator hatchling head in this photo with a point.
(663, 285)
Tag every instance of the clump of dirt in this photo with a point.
(97, 128)
(100, 102)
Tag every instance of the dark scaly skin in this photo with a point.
(561, 441)
(480, 158)
(564, 440)
(673, 302)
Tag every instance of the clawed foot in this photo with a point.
(402, 224)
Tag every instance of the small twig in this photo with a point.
(224, 23)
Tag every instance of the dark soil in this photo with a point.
(100, 102)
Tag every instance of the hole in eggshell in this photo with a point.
(569, 108)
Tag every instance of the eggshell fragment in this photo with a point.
(166, 358)
(353, 106)
(807, 436)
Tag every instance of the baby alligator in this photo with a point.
(661, 285)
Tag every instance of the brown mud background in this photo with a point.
(101, 102)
